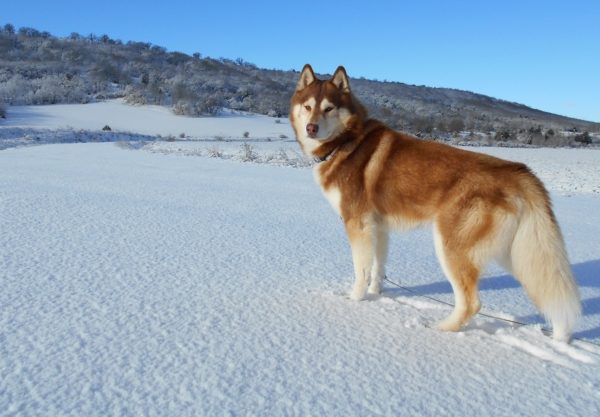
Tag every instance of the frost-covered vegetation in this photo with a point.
(38, 68)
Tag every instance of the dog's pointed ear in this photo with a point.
(307, 77)
(340, 79)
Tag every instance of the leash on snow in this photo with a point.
(514, 322)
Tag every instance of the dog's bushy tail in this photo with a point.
(540, 262)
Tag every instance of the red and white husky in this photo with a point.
(482, 208)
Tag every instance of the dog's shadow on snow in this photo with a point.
(586, 273)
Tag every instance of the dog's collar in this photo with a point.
(332, 146)
(326, 157)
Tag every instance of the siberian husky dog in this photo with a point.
(482, 208)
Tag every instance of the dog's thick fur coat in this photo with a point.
(482, 208)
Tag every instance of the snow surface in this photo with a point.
(149, 283)
(146, 120)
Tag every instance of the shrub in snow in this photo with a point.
(423, 125)
(182, 135)
(106, 128)
(248, 153)
(2, 111)
(456, 125)
(209, 106)
(180, 108)
(47, 89)
(282, 154)
(583, 138)
(134, 97)
(503, 135)
(246, 134)
(16, 90)
(214, 152)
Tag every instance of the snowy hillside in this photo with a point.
(137, 280)
(39, 68)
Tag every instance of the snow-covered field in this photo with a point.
(136, 280)
(145, 120)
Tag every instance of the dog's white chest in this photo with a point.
(332, 194)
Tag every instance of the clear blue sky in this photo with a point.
(545, 54)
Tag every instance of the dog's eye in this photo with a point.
(328, 109)
(308, 108)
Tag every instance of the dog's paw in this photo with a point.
(357, 295)
(449, 325)
(374, 289)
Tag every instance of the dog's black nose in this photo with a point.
(312, 129)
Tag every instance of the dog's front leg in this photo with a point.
(361, 241)
(381, 249)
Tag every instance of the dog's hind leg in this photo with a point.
(362, 240)
(463, 275)
(381, 250)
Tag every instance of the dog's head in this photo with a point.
(322, 109)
